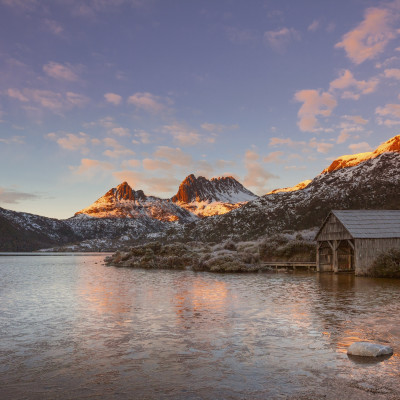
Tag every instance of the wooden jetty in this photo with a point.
(291, 265)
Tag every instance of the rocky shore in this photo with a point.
(223, 257)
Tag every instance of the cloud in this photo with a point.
(184, 135)
(240, 36)
(60, 71)
(280, 39)
(117, 150)
(131, 163)
(174, 156)
(347, 80)
(257, 178)
(71, 141)
(143, 136)
(370, 37)
(275, 141)
(152, 165)
(53, 26)
(356, 119)
(90, 167)
(149, 102)
(113, 98)
(119, 131)
(150, 184)
(274, 156)
(21, 5)
(360, 147)
(53, 101)
(12, 196)
(321, 147)
(389, 109)
(313, 26)
(392, 73)
(218, 128)
(314, 103)
(13, 140)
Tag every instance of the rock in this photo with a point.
(367, 349)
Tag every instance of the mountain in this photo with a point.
(204, 197)
(392, 145)
(299, 186)
(370, 184)
(27, 232)
(124, 202)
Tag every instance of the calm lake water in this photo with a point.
(72, 328)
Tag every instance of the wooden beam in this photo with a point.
(350, 243)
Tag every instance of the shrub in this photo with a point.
(387, 264)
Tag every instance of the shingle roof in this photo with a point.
(370, 224)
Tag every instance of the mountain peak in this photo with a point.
(391, 145)
(220, 189)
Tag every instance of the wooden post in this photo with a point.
(335, 256)
(317, 257)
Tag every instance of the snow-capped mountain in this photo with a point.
(124, 202)
(299, 186)
(392, 145)
(204, 197)
(21, 231)
(370, 184)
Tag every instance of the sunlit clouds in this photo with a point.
(370, 37)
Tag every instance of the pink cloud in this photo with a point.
(91, 167)
(60, 71)
(347, 80)
(370, 37)
(281, 38)
(360, 147)
(148, 102)
(314, 103)
(113, 98)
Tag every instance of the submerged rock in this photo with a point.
(367, 349)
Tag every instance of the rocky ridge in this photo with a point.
(217, 196)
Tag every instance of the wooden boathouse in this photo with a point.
(350, 240)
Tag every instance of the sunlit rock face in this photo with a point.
(204, 197)
(299, 186)
(124, 202)
(392, 145)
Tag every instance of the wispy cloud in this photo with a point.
(280, 39)
(61, 71)
(370, 37)
(392, 73)
(149, 102)
(360, 147)
(183, 134)
(12, 196)
(240, 36)
(50, 100)
(71, 141)
(89, 167)
(113, 98)
(117, 149)
(257, 177)
(314, 25)
(347, 81)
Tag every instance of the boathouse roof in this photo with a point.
(368, 224)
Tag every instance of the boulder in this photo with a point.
(367, 349)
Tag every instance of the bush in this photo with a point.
(387, 264)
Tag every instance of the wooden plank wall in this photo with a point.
(333, 230)
(366, 250)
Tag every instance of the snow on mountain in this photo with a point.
(124, 202)
(299, 186)
(392, 145)
(204, 197)
(21, 231)
(372, 184)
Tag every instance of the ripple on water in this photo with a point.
(73, 328)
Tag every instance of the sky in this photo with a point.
(96, 92)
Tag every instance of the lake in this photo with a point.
(73, 328)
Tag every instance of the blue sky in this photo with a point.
(100, 91)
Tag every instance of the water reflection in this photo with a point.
(73, 328)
